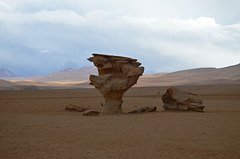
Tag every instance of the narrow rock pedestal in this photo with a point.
(116, 74)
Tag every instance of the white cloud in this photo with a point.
(44, 16)
(69, 31)
(45, 51)
(5, 7)
(201, 22)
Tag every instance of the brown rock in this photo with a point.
(116, 75)
(144, 109)
(178, 99)
(90, 113)
(76, 108)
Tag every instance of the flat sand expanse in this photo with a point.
(34, 125)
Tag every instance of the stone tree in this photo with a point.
(116, 74)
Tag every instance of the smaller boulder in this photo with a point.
(76, 108)
(90, 113)
(178, 99)
(144, 109)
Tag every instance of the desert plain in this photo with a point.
(35, 125)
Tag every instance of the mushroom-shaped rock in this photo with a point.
(116, 74)
(178, 99)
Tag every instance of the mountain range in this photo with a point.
(5, 73)
(78, 78)
(199, 76)
(66, 75)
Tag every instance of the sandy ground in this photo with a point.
(34, 124)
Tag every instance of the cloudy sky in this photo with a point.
(42, 36)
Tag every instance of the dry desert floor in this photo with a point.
(34, 125)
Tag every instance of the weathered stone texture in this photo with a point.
(144, 109)
(178, 99)
(116, 75)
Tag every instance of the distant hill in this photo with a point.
(66, 75)
(6, 73)
(227, 75)
(78, 78)
(69, 75)
(4, 83)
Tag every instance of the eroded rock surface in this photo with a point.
(90, 113)
(144, 109)
(178, 99)
(76, 108)
(116, 75)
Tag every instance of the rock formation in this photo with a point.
(116, 75)
(177, 99)
(90, 113)
(144, 109)
(76, 108)
(85, 111)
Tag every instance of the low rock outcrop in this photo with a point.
(178, 99)
(85, 110)
(116, 75)
(144, 109)
(76, 108)
(90, 113)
